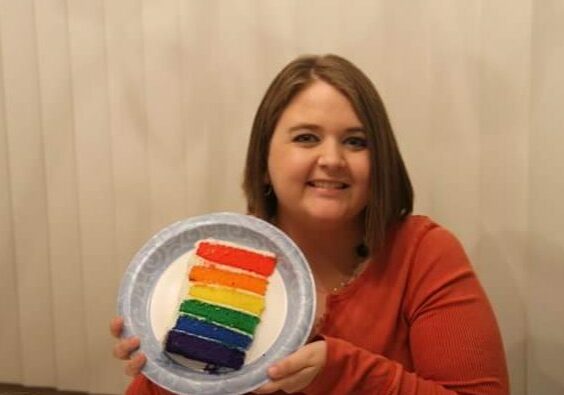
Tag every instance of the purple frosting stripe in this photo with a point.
(208, 351)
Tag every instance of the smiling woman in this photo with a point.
(400, 309)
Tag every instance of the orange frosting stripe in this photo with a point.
(213, 275)
(237, 257)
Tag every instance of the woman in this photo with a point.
(400, 309)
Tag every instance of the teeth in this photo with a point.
(328, 184)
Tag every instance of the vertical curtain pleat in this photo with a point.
(501, 254)
(10, 358)
(197, 104)
(56, 102)
(95, 184)
(452, 108)
(120, 117)
(128, 131)
(236, 89)
(127, 126)
(545, 270)
(26, 163)
(166, 140)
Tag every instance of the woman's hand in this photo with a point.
(125, 347)
(296, 371)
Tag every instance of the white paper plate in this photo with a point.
(156, 277)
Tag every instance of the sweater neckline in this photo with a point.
(355, 283)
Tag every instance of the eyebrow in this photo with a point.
(313, 126)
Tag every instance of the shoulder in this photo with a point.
(426, 253)
(435, 265)
(419, 232)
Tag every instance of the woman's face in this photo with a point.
(319, 163)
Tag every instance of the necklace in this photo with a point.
(349, 278)
(362, 254)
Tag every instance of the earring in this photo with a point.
(268, 191)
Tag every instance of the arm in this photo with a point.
(454, 337)
(454, 340)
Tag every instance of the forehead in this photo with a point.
(320, 102)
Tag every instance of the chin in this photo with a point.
(328, 218)
(321, 215)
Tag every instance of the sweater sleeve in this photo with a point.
(454, 340)
(141, 385)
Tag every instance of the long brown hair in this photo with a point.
(391, 194)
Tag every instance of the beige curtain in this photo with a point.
(120, 117)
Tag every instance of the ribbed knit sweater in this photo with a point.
(415, 322)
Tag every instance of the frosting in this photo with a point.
(217, 320)
(242, 258)
(228, 297)
(204, 350)
(211, 331)
(213, 275)
(220, 315)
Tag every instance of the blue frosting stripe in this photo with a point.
(208, 330)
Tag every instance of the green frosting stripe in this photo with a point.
(220, 315)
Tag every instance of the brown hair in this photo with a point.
(391, 194)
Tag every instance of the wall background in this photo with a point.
(120, 117)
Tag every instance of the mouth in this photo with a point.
(327, 184)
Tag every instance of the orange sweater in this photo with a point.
(415, 322)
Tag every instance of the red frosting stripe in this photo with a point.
(236, 257)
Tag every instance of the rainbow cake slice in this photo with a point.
(216, 322)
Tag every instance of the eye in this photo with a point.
(305, 138)
(356, 142)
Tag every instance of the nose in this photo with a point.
(331, 155)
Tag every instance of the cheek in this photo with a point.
(363, 174)
(273, 158)
(361, 168)
(275, 165)
(287, 165)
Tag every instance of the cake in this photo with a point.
(217, 320)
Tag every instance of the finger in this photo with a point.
(298, 381)
(135, 364)
(116, 326)
(268, 388)
(289, 384)
(124, 348)
(293, 363)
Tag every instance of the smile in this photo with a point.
(327, 184)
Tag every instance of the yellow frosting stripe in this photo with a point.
(253, 304)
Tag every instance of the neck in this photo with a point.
(328, 248)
